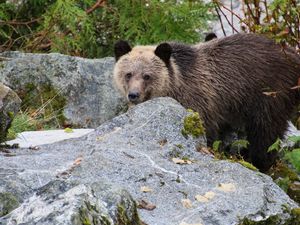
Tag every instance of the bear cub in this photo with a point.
(225, 80)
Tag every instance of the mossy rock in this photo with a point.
(9, 105)
(294, 219)
(89, 215)
(8, 202)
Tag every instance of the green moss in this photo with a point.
(185, 158)
(192, 125)
(272, 220)
(296, 213)
(122, 216)
(11, 115)
(179, 146)
(247, 165)
(84, 216)
(90, 215)
(8, 202)
(295, 217)
(124, 219)
(175, 153)
(275, 219)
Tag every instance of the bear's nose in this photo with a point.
(133, 96)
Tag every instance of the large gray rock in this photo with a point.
(86, 84)
(74, 203)
(137, 152)
(9, 106)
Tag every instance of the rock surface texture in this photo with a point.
(144, 153)
(9, 106)
(86, 84)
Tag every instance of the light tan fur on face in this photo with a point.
(141, 61)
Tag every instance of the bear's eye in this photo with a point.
(128, 76)
(146, 77)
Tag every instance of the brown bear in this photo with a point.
(227, 80)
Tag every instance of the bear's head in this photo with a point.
(142, 72)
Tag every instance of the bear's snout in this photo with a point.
(133, 96)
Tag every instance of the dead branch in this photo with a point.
(220, 19)
(236, 15)
(98, 4)
(267, 11)
(17, 23)
(231, 25)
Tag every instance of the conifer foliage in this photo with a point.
(89, 28)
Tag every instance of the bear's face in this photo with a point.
(140, 74)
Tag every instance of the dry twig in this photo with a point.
(97, 5)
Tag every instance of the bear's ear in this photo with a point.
(210, 36)
(121, 48)
(164, 51)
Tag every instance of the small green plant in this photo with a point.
(216, 145)
(218, 151)
(275, 146)
(240, 143)
(294, 158)
(290, 155)
(41, 109)
(284, 172)
(22, 122)
(294, 139)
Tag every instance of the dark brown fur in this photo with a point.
(224, 80)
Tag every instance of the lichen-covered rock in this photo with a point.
(75, 203)
(81, 87)
(144, 152)
(8, 202)
(9, 106)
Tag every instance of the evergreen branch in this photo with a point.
(97, 5)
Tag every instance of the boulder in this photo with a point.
(145, 153)
(75, 203)
(9, 106)
(82, 87)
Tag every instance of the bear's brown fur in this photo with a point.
(225, 80)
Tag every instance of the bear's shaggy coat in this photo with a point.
(225, 80)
